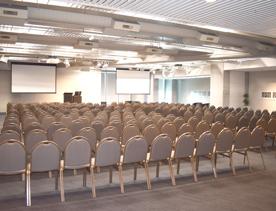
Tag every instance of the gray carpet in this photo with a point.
(247, 191)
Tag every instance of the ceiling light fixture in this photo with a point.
(4, 59)
(67, 63)
(210, 1)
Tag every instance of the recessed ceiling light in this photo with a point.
(210, 1)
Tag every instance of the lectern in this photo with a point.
(77, 97)
(67, 97)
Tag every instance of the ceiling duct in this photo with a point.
(208, 38)
(10, 12)
(154, 50)
(86, 45)
(8, 38)
(264, 47)
(126, 26)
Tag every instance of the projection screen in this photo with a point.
(132, 82)
(33, 78)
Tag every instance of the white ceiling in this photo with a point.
(252, 16)
(54, 27)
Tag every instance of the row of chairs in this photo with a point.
(47, 156)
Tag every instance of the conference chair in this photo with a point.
(257, 141)
(225, 146)
(219, 117)
(76, 126)
(110, 131)
(243, 122)
(33, 137)
(185, 128)
(178, 121)
(271, 130)
(13, 159)
(170, 129)
(216, 128)
(98, 126)
(161, 122)
(45, 157)
(9, 134)
(201, 127)
(77, 155)
(231, 122)
(118, 124)
(206, 148)
(208, 117)
(187, 115)
(61, 136)
(66, 120)
(52, 128)
(161, 150)
(198, 114)
(242, 143)
(46, 121)
(135, 153)
(108, 154)
(193, 121)
(150, 132)
(185, 149)
(252, 122)
(129, 131)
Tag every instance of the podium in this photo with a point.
(67, 97)
(77, 97)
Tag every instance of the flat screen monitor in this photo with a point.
(33, 78)
(133, 82)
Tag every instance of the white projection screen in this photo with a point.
(33, 78)
(132, 82)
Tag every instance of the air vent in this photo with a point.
(154, 50)
(126, 26)
(13, 13)
(264, 47)
(86, 45)
(208, 38)
(7, 38)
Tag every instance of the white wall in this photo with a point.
(67, 81)
(262, 81)
(217, 85)
(236, 88)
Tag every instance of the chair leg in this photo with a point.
(50, 174)
(135, 172)
(171, 172)
(28, 189)
(216, 158)
(197, 163)
(147, 175)
(178, 166)
(232, 163)
(193, 164)
(93, 182)
(244, 159)
(61, 182)
(84, 177)
(110, 174)
(56, 181)
(121, 178)
(23, 177)
(157, 169)
(261, 153)
(249, 166)
(214, 165)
